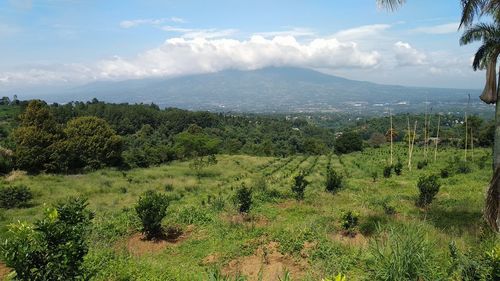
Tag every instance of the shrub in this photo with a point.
(15, 196)
(169, 187)
(428, 187)
(398, 168)
(463, 167)
(349, 221)
(54, 248)
(445, 173)
(151, 209)
(387, 171)
(422, 164)
(299, 186)
(388, 209)
(403, 254)
(333, 181)
(244, 198)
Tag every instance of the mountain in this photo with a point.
(269, 90)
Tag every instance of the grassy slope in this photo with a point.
(455, 214)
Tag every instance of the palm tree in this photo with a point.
(486, 57)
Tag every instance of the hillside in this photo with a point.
(270, 90)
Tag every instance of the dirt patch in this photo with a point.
(268, 263)
(357, 240)
(210, 259)
(138, 245)
(14, 175)
(4, 271)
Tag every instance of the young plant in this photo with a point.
(428, 187)
(398, 168)
(422, 164)
(54, 248)
(299, 187)
(334, 181)
(244, 198)
(445, 173)
(15, 196)
(349, 221)
(374, 176)
(151, 209)
(387, 171)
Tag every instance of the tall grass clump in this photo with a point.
(403, 253)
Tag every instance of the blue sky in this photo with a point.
(53, 42)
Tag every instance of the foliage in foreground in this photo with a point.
(54, 248)
(403, 253)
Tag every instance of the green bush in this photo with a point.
(54, 248)
(445, 173)
(387, 171)
(151, 209)
(428, 187)
(403, 254)
(422, 164)
(349, 221)
(374, 175)
(463, 167)
(398, 168)
(244, 198)
(15, 196)
(299, 186)
(334, 181)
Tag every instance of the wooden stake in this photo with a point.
(390, 132)
(471, 145)
(413, 143)
(409, 141)
(437, 139)
(466, 130)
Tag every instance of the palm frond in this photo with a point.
(390, 4)
(479, 32)
(471, 9)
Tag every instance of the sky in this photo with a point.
(45, 43)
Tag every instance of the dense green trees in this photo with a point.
(42, 144)
(92, 143)
(348, 142)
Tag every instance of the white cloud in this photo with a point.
(179, 56)
(451, 27)
(137, 22)
(200, 33)
(183, 56)
(295, 32)
(406, 55)
(361, 32)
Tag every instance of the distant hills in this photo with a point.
(275, 89)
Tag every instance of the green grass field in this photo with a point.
(280, 234)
